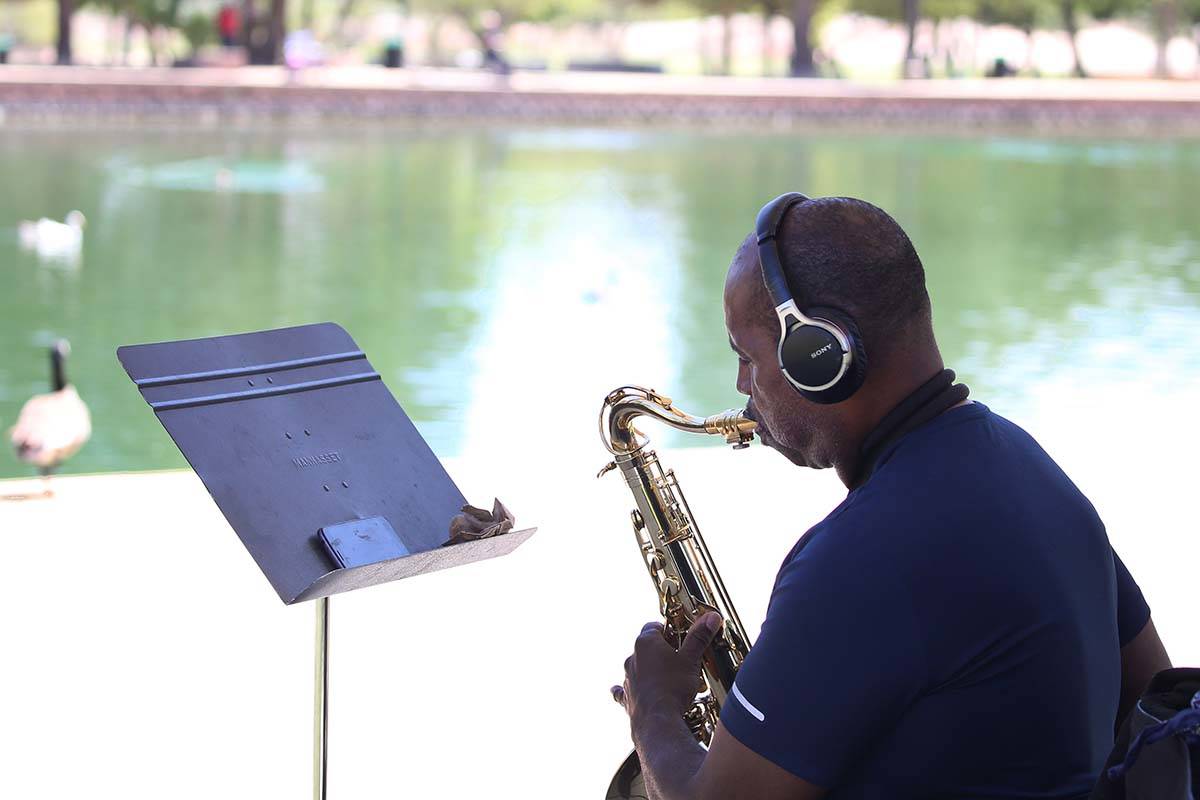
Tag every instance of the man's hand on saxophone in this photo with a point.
(657, 678)
(660, 686)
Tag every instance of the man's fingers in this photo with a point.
(651, 626)
(700, 636)
(618, 694)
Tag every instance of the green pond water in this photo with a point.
(502, 280)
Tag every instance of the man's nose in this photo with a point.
(743, 380)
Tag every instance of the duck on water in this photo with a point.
(53, 426)
(52, 240)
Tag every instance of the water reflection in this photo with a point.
(574, 313)
(209, 174)
(505, 279)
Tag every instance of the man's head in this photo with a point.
(852, 256)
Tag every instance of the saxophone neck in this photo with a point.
(623, 405)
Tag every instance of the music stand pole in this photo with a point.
(321, 701)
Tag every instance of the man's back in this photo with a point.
(950, 630)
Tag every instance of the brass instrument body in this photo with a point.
(685, 578)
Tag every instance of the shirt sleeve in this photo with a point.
(835, 666)
(1132, 610)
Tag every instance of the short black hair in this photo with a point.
(851, 255)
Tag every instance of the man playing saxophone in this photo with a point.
(959, 626)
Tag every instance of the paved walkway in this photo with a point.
(144, 648)
(603, 84)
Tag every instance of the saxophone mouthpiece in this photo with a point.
(734, 425)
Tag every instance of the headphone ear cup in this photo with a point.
(856, 374)
(810, 355)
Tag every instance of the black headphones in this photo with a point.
(821, 351)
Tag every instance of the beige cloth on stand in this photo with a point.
(476, 523)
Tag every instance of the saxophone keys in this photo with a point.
(653, 559)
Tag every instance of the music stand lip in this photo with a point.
(291, 431)
(348, 579)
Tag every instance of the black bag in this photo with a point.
(1157, 752)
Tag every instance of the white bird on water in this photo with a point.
(54, 240)
(52, 427)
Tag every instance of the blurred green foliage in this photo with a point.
(1164, 18)
(35, 21)
(199, 30)
(32, 20)
(146, 13)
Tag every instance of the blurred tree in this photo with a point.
(149, 15)
(769, 9)
(1164, 17)
(1164, 20)
(199, 30)
(912, 16)
(488, 18)
(346, 9)
(1071, 11)
(1191, 10)
(1020, 14)
(803, 65)
(66, 11)
(725, 9)
(893, 11)
(264, 30)
(611, 19)
(911, 12)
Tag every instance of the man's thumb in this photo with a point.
(700, 636)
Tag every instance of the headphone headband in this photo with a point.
(766, 229)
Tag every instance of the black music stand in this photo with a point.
(313, 463)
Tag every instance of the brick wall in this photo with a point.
(214, 104)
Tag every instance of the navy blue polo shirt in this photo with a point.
(951, 630)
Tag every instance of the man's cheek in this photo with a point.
(766, 432)
(764, 436)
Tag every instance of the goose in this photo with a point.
(52, 239)
(52, 427)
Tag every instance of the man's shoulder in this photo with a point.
(857, 536)
(967, 432)
(968, 455)
(969, 473)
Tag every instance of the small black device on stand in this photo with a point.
(314, 464)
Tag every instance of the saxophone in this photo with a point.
(674, 552)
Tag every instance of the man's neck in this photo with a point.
(877, 403)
